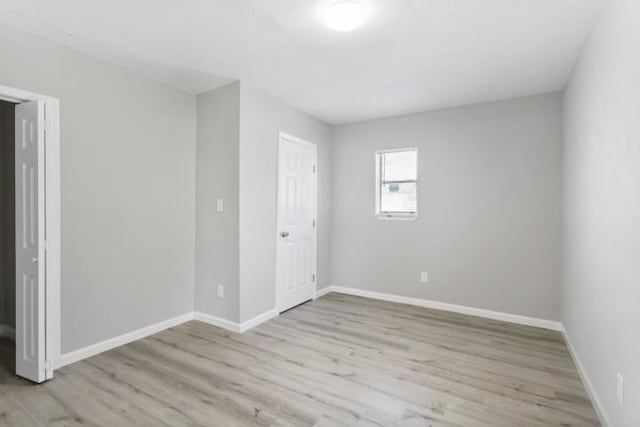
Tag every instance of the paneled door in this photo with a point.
(296, 220)
(30, 244)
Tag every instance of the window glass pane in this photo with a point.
(398, 197)
(399, 166)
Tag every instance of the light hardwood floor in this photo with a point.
(337, 361)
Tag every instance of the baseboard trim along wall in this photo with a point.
(7, 331)
(261, 318)
(472, 311)
(92, 350)
(217, 321)
(591, 391)
(322, 292)
(235, 326)
(106, 345)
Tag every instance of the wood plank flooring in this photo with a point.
(337, 361)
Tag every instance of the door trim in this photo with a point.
(283, 136)
(52, 220)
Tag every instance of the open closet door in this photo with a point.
(30, 244)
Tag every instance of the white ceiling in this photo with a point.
(411, 55)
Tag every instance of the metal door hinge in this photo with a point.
(314, 277)
(314, 222)
(314, 168)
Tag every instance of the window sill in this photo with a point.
(396, 217)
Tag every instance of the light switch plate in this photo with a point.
(219, 205)
(620, 387)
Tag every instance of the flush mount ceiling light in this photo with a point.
(345, 15)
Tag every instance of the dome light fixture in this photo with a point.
(345, 15)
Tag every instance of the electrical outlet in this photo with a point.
(620, 388)
(219, 205)
(424, 277)
(220, 291)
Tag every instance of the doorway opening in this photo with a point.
(29, 236)
(7, 243)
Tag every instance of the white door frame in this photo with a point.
(282, 136)
(52, 220)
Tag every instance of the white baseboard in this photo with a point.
(235, 326)
(92, 350)
(495, 315)
(591, 391)
(7, 331)
(217, 321)
(261, 318)
(323, 291)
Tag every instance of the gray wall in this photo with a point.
(489, 224)
(261, 119)
(601, 298)
(7, 216)
(217, 176)
(128, 189)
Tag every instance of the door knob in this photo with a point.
(284, 234)
(34, 260)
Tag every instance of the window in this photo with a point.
(397, 183)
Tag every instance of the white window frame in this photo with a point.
(402, 216)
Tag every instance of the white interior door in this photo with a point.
(30, 255)
(296, 238)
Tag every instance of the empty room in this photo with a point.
(322, 213)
